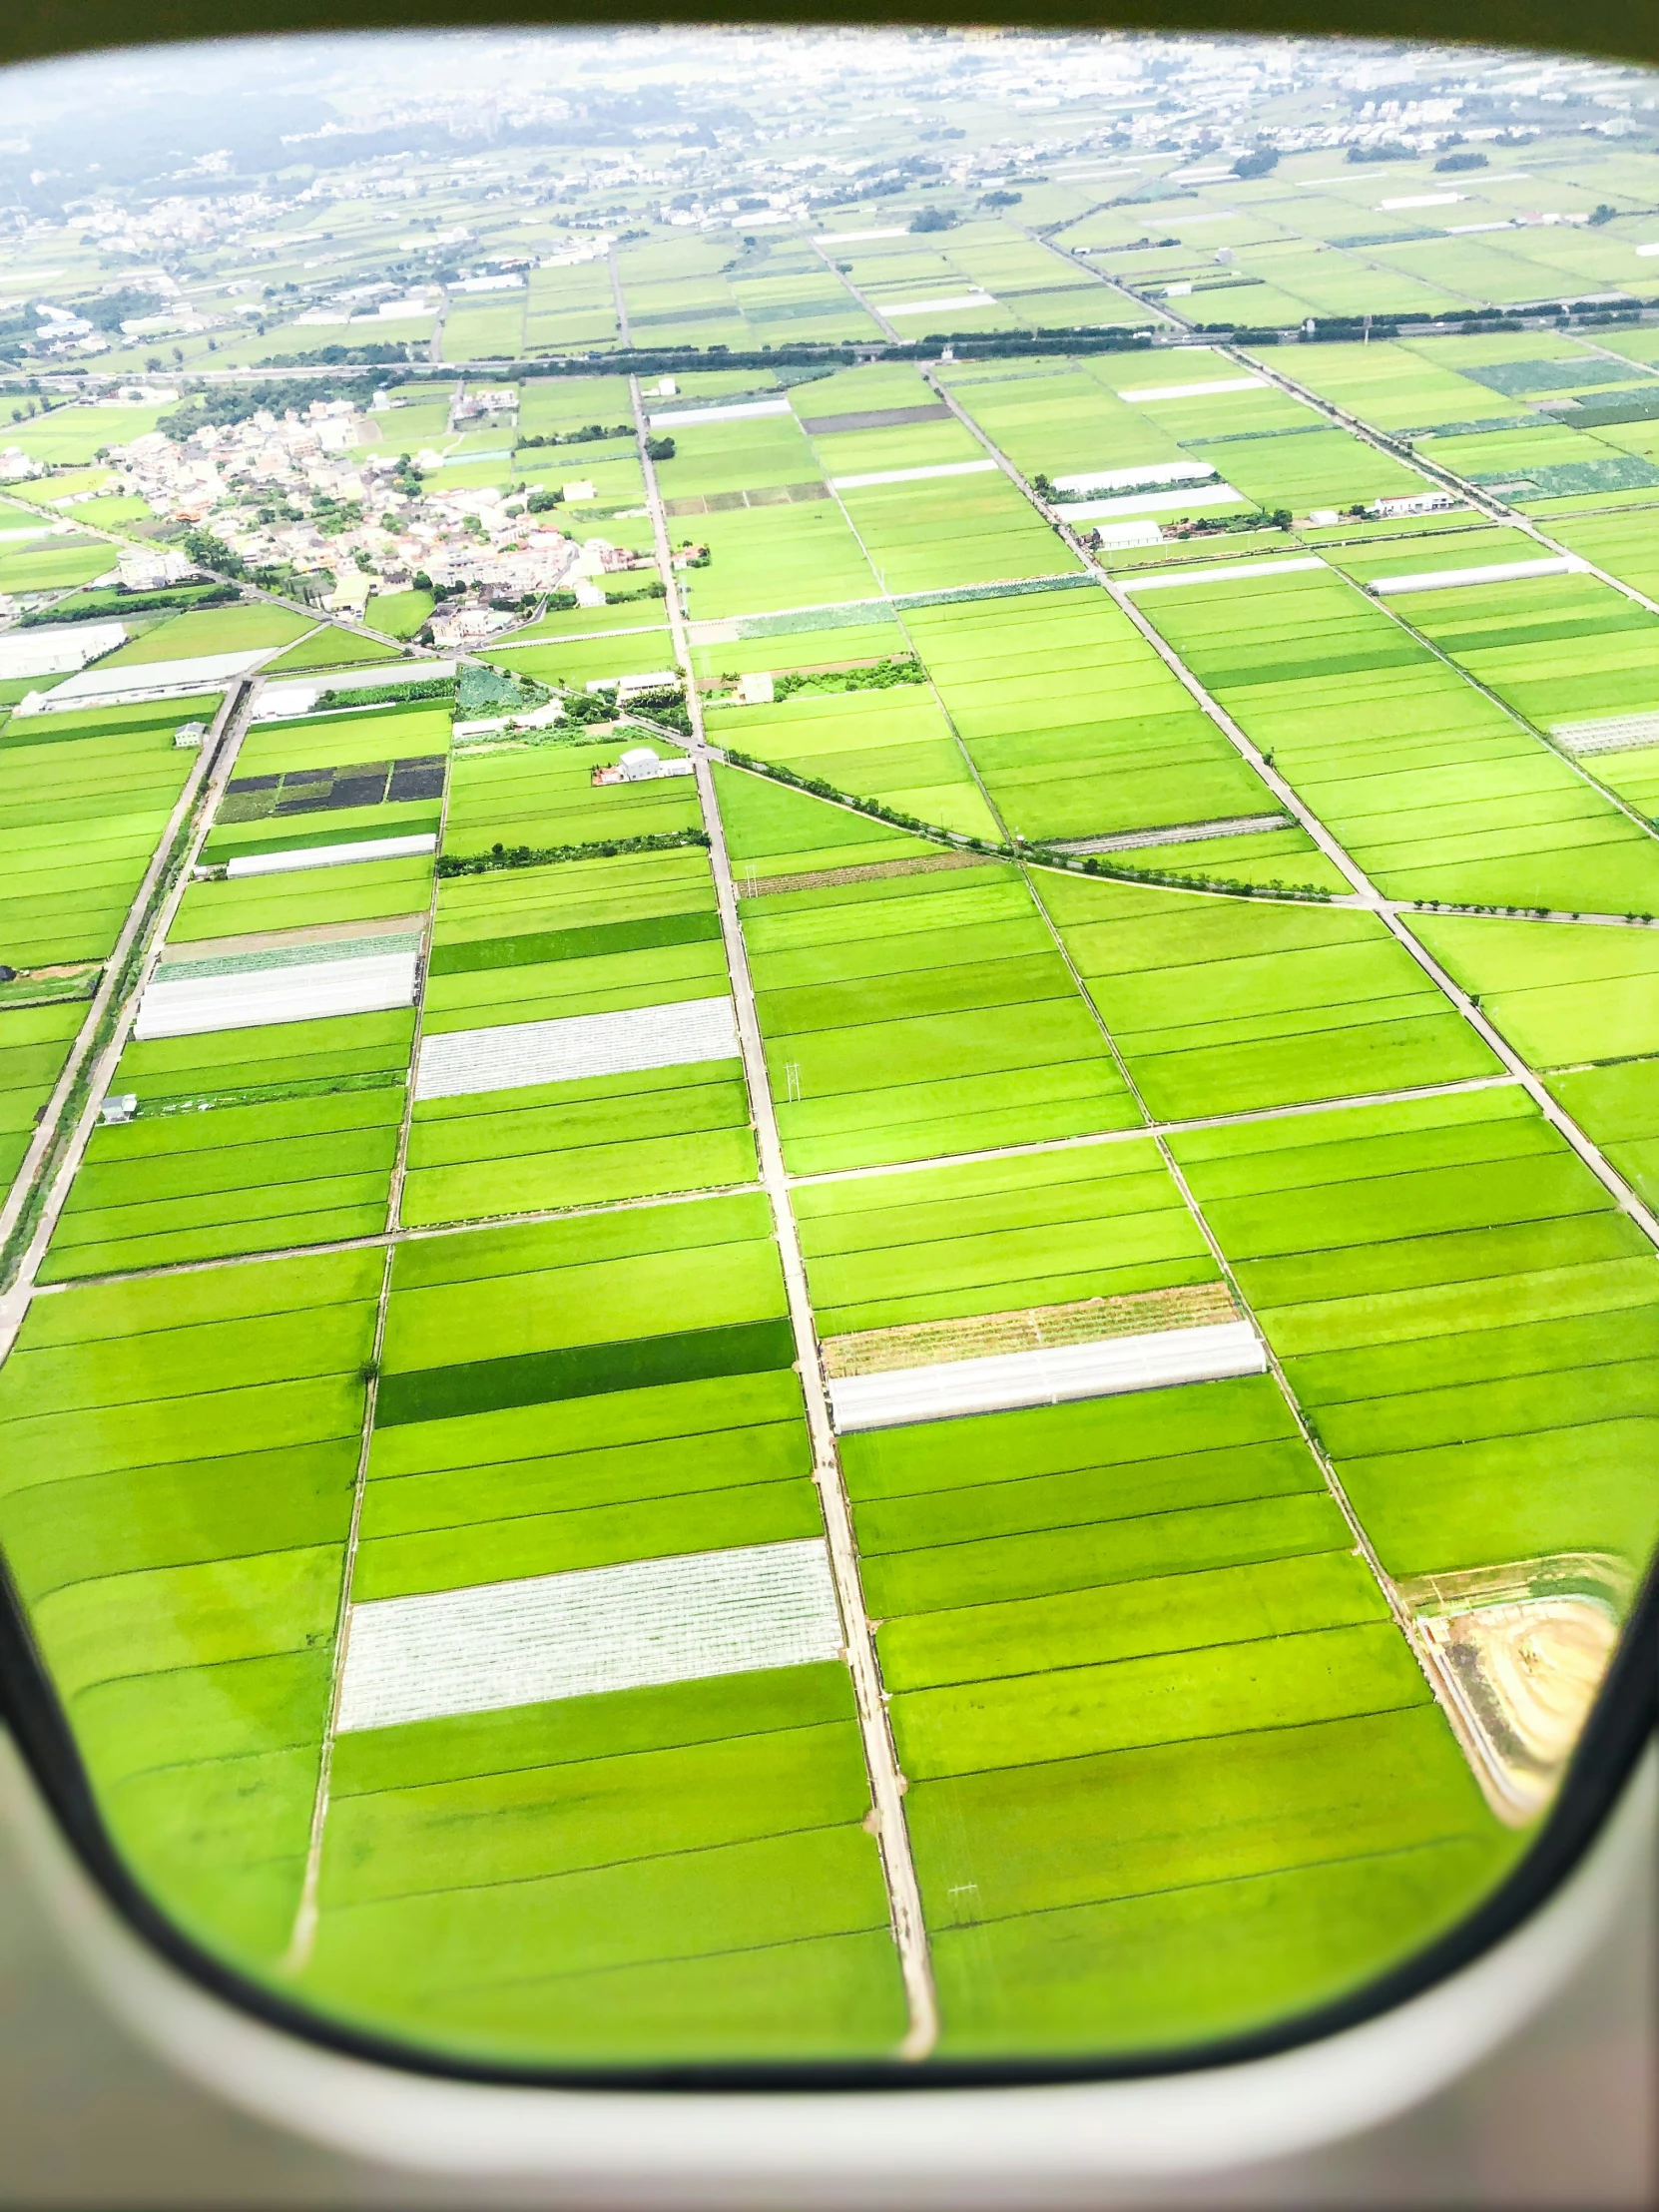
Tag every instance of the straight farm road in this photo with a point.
(887, 1783)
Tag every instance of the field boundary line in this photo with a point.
(143, 936)
(887, 1784)
(302, 1935)
(1449, 911)
(377, 1240)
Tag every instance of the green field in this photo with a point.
(1057, 1090)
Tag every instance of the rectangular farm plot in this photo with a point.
(51, 565)
(1535, 467)
(603, 655)
(1393, 385)
(999, 1283)
(629, 1627)
(203, 632)
(1623, 545)
(934, 534)
(329, 792)
(906, 1016)
(1046, 1374)
(1313, 467)
(930, 1308)
(1054, 419)
(545, 797)
(1248, 849)
(282, 984)
(181, 1454)
(537, 1312)
(1039, 1237)
(579, 1041)
(765, 557)
(1464, 1314)
(367, 891)
(264, 1122)
(1622, 752)
(1223, 1005)
(209, 1182)
(530, 1054)
(713, 456)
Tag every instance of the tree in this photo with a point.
(934, 219)
(207, 551)
(1257, 163)
(996, 200)
(115, 308)
(543, 498)
(660, 449)
(1603, 212)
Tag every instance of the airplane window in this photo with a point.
(828, 1028)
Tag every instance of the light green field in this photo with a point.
(194, 634)
(317, 1333)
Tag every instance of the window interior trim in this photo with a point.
(1616, 30)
